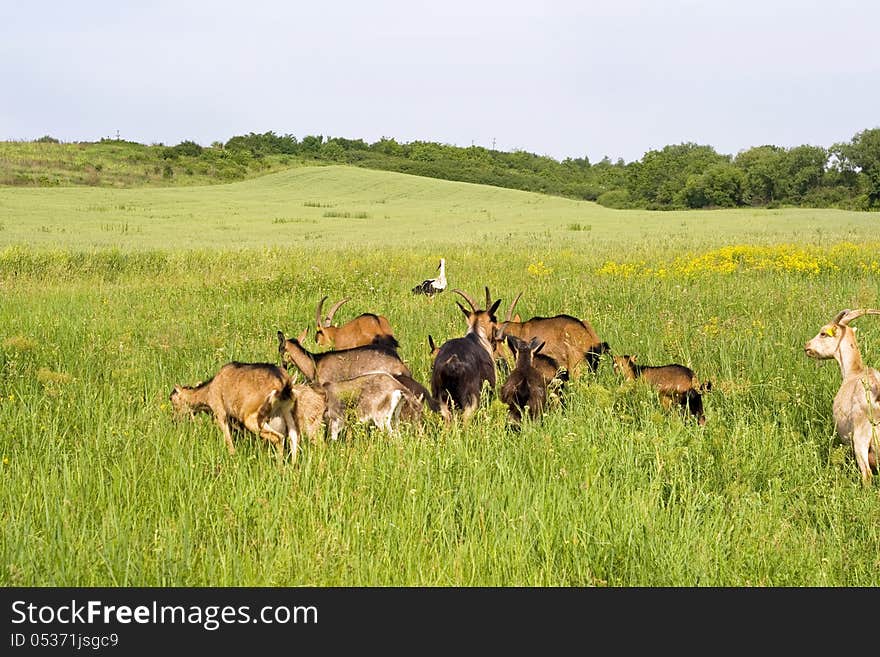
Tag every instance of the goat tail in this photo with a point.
(694, 401)
(705, 387)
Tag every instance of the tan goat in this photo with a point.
(856, 406)
(675, 384)
(257, 396)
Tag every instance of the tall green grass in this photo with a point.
(101, 487)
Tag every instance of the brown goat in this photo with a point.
(525, 391)
(555, 377)
(258, 396)
(674, 383)
(339, 364)
(568, 340)
(366, 328)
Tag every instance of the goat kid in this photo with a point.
(258, 396)
(856, 405)
(525, 391)
(675, 384)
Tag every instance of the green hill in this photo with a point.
(331, 207)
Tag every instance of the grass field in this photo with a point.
(111, 296)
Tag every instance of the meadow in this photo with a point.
(113, 295)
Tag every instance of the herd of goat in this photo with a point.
(361, 376)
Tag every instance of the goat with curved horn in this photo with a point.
(366, 328)
(464, 366)
(856, 406)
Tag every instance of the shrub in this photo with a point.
(618, 199)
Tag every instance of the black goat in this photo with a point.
(463, 365)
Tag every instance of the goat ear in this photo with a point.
(280, 341)
(511, 343)
(494, 306)
(536, 349)
(466, 312)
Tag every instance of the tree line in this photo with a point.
(688, 175)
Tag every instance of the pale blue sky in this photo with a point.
(559, 78)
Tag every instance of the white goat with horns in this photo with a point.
(857, 402)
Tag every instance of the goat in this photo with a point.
(432, 286)
(674, 383)
(378, 398)
(555, 376)
(258, 396)
(366, 328)
(856, 405)
(525, 391)
(463, 365)
(340, 363)
(568, 340)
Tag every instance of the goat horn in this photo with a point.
(844, 317)
(512, 306)
(467, 298)
(319, 322)
(333, 311)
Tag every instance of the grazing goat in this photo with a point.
(463, 365)
(525, 391)
(674, 383)
(432, 286)
(366, 328)
(378, 399)
(568, 340)
(340, 363)
(258, 396)
(856, 406)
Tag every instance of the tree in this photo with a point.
(661, 176)
(862, 155)
(762, 166)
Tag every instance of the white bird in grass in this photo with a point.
(432, 286)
